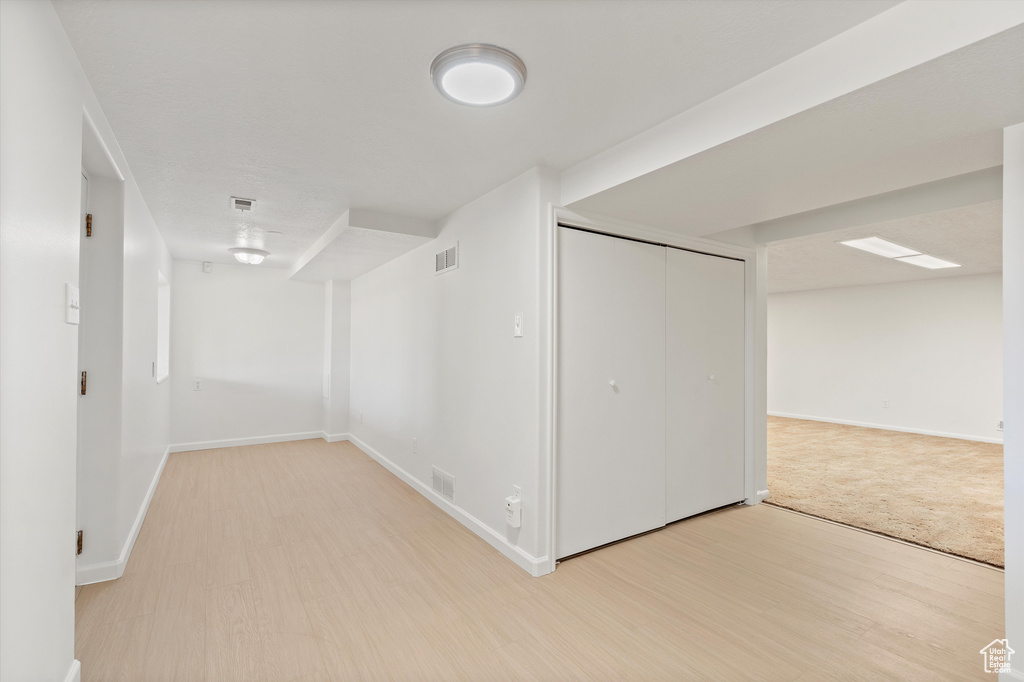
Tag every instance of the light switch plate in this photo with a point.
(207, 266)
(517, 329)
(71, 307)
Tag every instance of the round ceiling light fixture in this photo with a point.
(249, 256)
(478, 75)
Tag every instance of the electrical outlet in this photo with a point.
(999, 426)
(514, 512)
(517, 492)
(885, 404)
(414, 446)
(197, 385)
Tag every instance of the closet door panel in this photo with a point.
(611, 437)
(705, 374)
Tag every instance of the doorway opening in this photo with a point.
(101, 273)
(885, 379)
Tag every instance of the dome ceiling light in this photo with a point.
(249, 256)
(478, 75)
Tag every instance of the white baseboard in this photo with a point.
(111, 570)
(254, 440)
(885, 427)
(74, 672)
(100, 572)
(335, 438)
(533, 565)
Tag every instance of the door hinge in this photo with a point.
(83, 382)
(88, 224)
(79, 543)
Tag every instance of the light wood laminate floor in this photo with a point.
(307, 561)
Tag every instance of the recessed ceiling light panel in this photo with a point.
(478, 75)
(249, 256)
(931, 262)
(881, 247)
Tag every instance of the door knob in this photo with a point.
(612, 383)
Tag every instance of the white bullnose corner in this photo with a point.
(762, 495)
(335, 437)
(75, 672)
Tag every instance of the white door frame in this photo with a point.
(616, 228)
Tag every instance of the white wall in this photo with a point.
(44, 96)
(932, 348)
(255, 341)
(40, 164)
(145, 404)
(433, 358)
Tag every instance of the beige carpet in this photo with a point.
(943, 493)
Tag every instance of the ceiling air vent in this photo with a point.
(242, 204)
(446, 260)
(443, 484)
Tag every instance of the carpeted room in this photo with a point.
(886, 482)
(884, 387)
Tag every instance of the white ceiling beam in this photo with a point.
(367, 220)
(908, 35)
(339, 226)
(940, 195)
(388, 222)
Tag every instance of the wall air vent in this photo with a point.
(446, 260)
(443, 484)
(242, 204)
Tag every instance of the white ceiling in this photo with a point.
(940, 119)
(314, 107)
(969, 235)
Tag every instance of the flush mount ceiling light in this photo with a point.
(931, 262)
(478, 75)
(881, 247)
(249, 256)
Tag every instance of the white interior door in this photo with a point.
(705, 373)
(611, 390)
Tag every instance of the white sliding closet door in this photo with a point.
(611, 385)
(705, 396)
